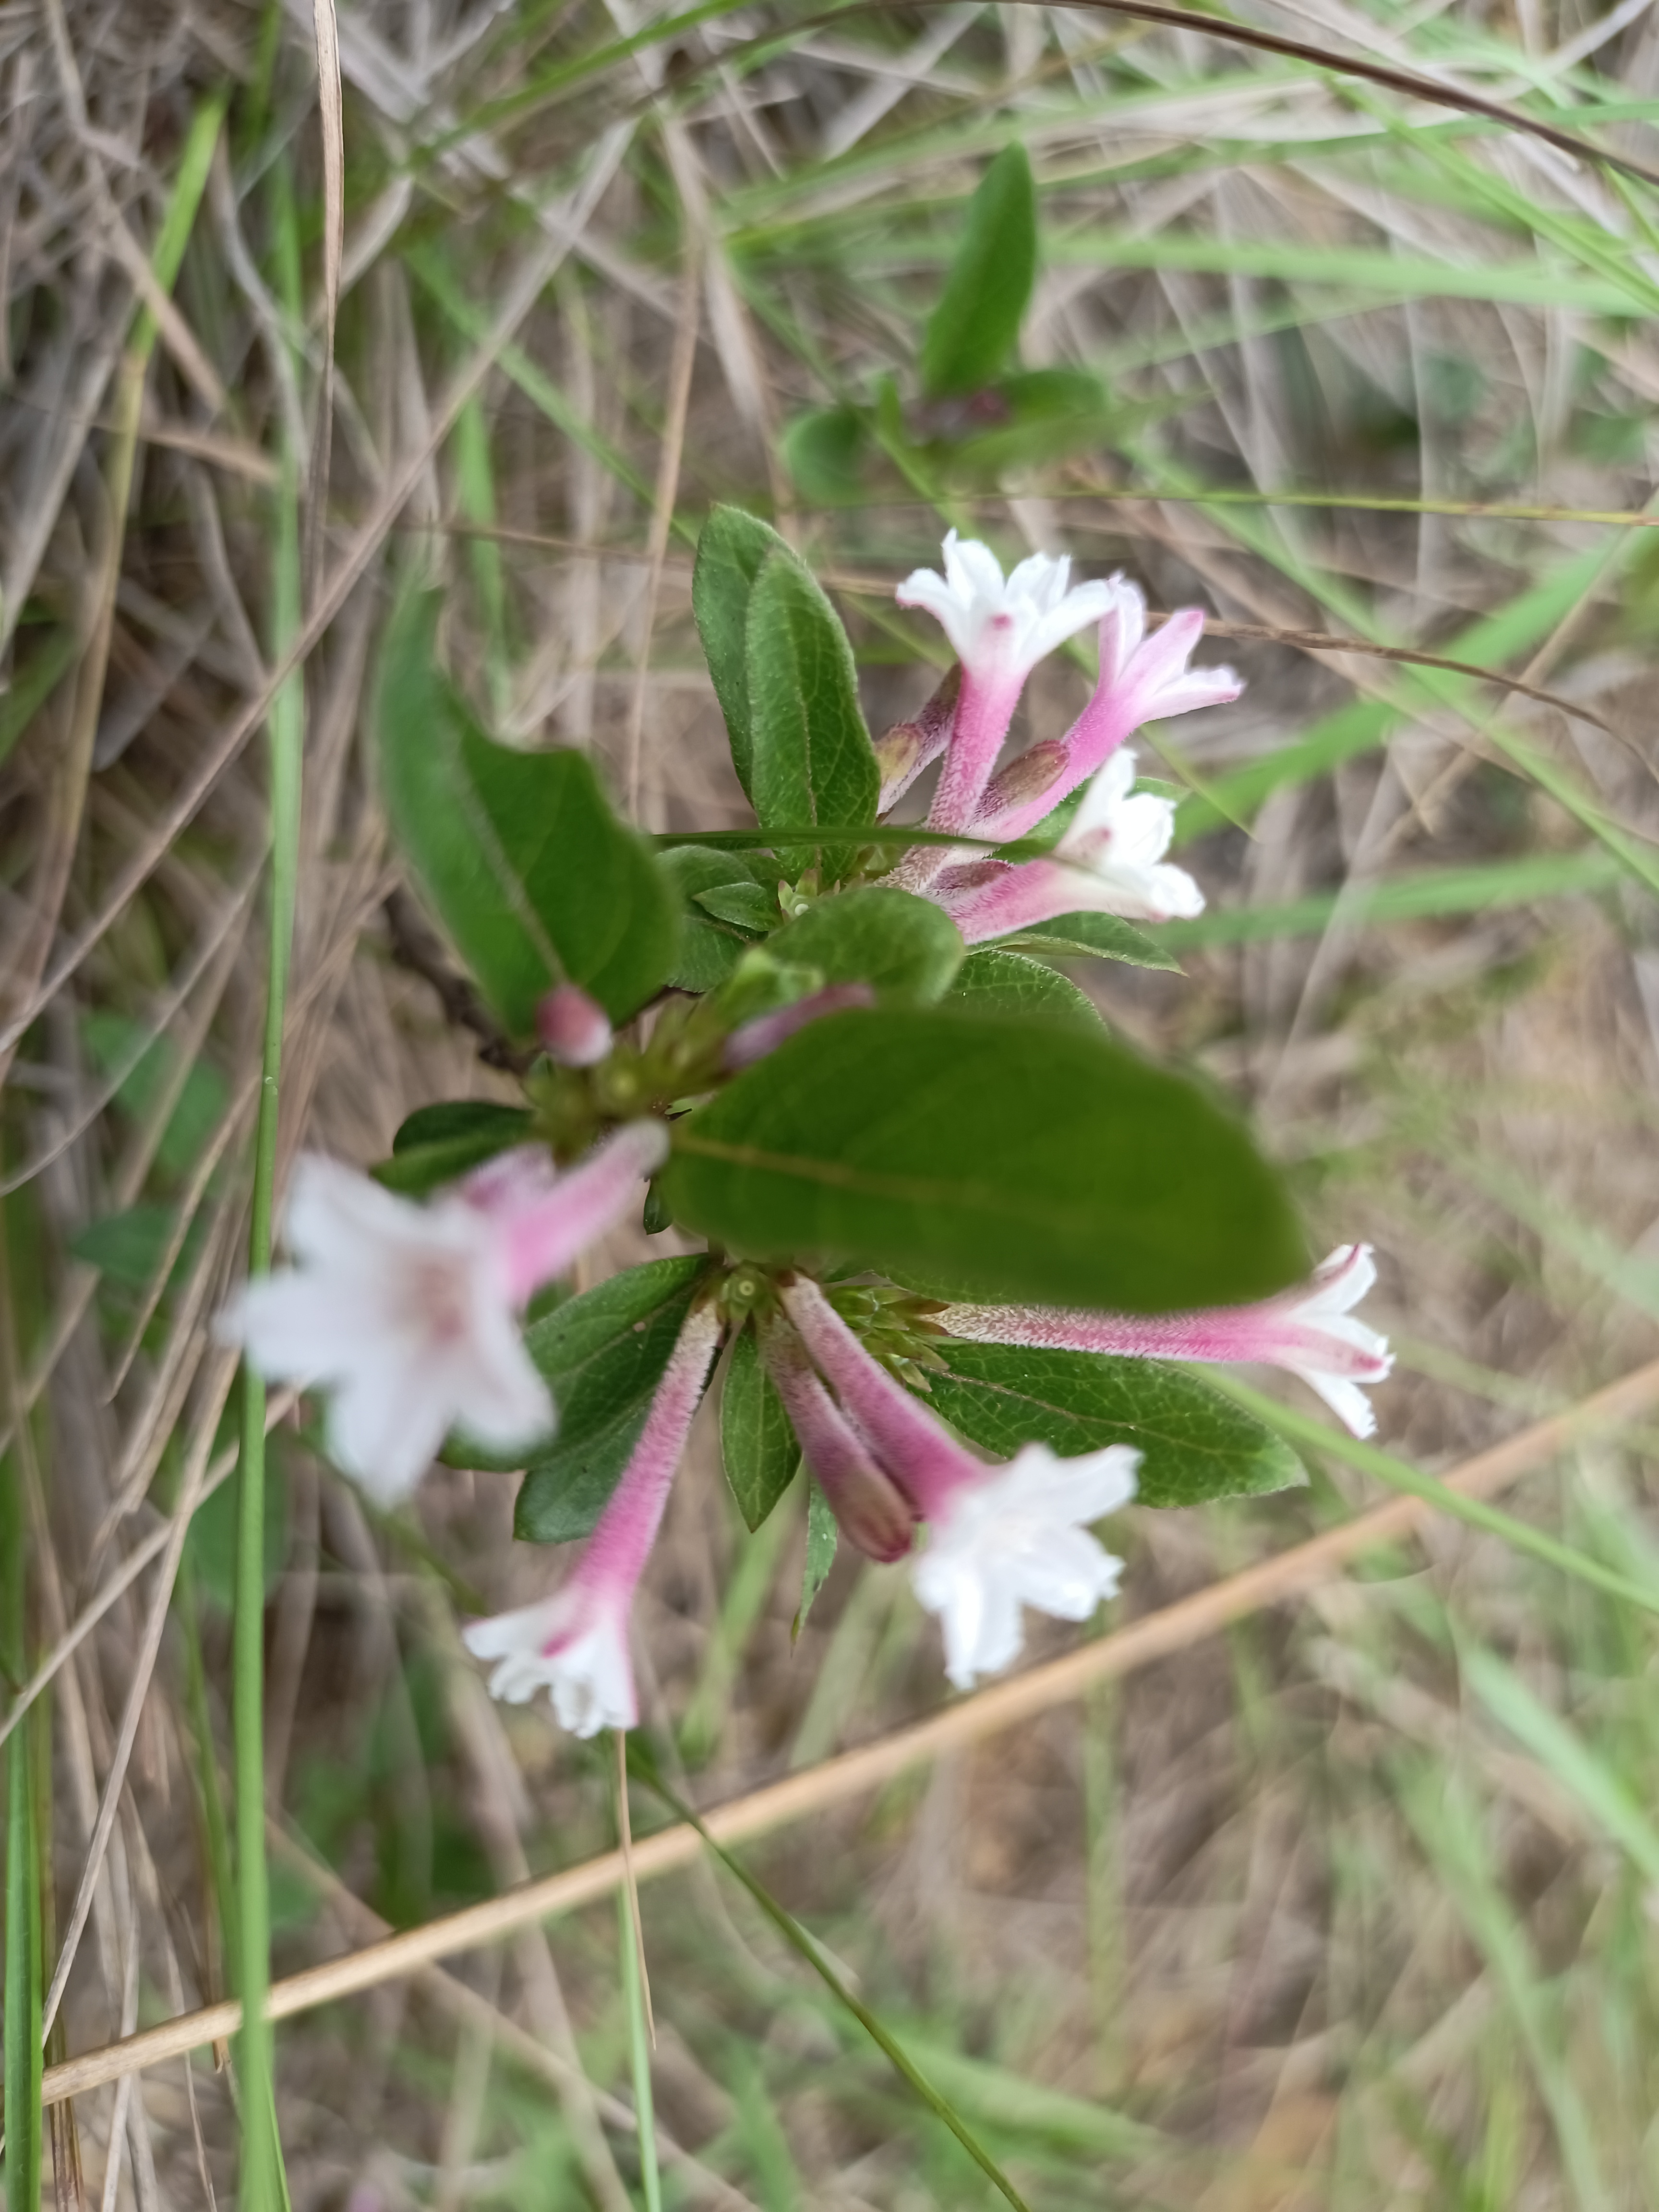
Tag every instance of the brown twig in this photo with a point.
(1173, 1628)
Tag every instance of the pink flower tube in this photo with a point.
(574, 1643)
(1142, 679)
(1312, 1332)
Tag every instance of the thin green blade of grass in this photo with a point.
(1448, 1828)
(1418, 897)
(20, 2168)
(263, 2182)
(1399, 1475)
(1563, 1753)
(801, 1942)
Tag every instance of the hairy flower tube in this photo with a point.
(1313, 1333)
(574, 1643)
(1110, 860)
(998, 1537)
(1142, 679)
(1000, 628)
(408, 1313)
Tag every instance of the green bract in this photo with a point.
(758, 1445)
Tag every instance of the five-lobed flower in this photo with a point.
(1109, 860)
(999, 1538)
(1000, 628)
(408, 1313)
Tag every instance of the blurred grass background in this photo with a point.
(1353, 1907)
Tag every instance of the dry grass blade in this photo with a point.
(1173, 1628)
(337, 587)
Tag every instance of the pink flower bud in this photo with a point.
(574, 1028)
(754, 1040)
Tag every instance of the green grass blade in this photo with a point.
(263, 2187)
(801, 1942)
(20, 2169)
(1411, 1482)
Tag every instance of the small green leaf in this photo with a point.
(1103, 935)
(812, 758)
(531, 873)
(976, 326)
(128, 1248)
(602, 1355)
(1195, 1444)
(906, 947)
(708, 950)
(758, 1445)
(995, 981)
(1031, 1161)
(436, 1144)
(746, 905)
(732, 547)
(821, 1538)
(822, 451)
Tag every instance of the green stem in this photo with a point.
(263, 2186)
(633, 1976)
(22, 2167)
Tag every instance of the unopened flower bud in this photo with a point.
(574, 1028)
(1025, 778)
(872, 1512)
(767, 1031)
(907, 747)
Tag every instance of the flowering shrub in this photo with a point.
(960, 1243)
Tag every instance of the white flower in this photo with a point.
(574, 1644)
(1019, 1537)
(1318, 1338)
(1002, 627)
(1120, 836)
(406, 1312)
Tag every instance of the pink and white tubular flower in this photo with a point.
(998, 1537)
(1313, 1333)
(408, 1313)
(1110, 860)
(574, 1643)
(1000, 628)
(1142, 679)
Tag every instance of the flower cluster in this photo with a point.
(408, 1313)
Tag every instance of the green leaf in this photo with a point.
(1029, 1161)
(976, 326)
(533, 876)
(758, 1445)
(905, 947)
(822, 450)
(602, 1355)
(732, 547)
(708, 950)
(435, 1144)
(749, 906)
(812, 758)
(1195, 1444)
(1103, 935)
(128, 1247)
(821, 1538)
(995, 981)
